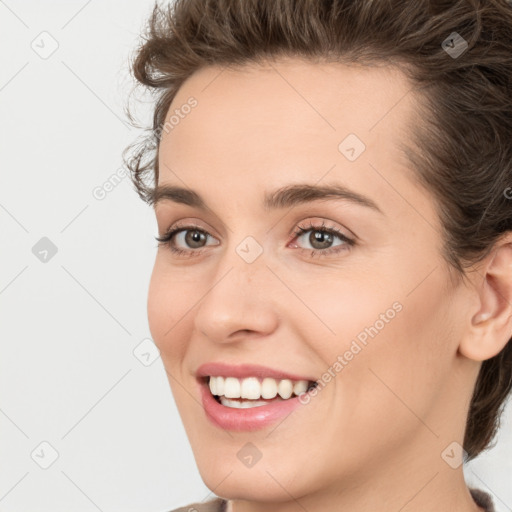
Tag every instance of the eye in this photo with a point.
(321, 238)
(192, 236)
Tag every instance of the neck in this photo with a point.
(406, 483)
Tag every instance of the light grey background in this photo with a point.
(73, 372)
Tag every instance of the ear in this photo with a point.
(490, 326)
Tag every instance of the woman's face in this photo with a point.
(373, 320)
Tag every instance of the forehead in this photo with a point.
(304, 96)
(289, 121)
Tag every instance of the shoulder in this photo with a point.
(482, 499)
(215, 505)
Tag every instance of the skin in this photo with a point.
(373, 437)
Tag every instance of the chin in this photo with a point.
(251, 486)
(266, 481)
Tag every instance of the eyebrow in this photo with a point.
(284, 197)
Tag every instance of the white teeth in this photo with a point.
(241, 405)
(268, 388)
(300, 387)
(285, 388)
(231, 387)
(213, 385)
(220, 385)
(252, 388)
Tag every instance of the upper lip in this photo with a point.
(245, 370)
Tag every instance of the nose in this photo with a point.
(239, 302)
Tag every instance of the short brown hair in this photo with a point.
(462, 151)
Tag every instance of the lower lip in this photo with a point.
(254, 418)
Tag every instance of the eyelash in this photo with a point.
(299, 231)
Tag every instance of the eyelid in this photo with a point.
(322, 222)
(299, 230)
(189, 223)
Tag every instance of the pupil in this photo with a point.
(320, 237)
(194, 237)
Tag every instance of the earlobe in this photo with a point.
(490, 328)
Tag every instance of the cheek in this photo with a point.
(166, 313)
(351, 312)
(395, 346)
(156, 304)
(407, 365)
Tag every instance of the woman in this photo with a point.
(332, 291)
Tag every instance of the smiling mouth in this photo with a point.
(254, 391)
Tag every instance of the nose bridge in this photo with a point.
(244, 259)
(238, 297)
